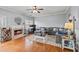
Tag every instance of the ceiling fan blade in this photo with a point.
(38, 11)
(41, 9)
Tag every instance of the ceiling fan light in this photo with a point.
(35, 11)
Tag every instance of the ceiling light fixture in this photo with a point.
(35, 11)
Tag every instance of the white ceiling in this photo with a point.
(48, 10)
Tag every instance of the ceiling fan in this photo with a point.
(35, 9)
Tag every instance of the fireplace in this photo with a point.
(17, 32)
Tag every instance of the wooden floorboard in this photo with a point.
(25, 45)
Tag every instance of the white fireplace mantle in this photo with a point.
(17, 28)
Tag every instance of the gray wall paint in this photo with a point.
(9, 17)
(51, 21)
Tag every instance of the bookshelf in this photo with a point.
(68, 44)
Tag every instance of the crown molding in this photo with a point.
(31, 15)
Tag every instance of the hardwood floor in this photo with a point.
(25, 45)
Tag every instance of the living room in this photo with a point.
(39, 28)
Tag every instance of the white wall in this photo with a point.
(75, 12)
(68, 13)
(51, 21)
(8, 17)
